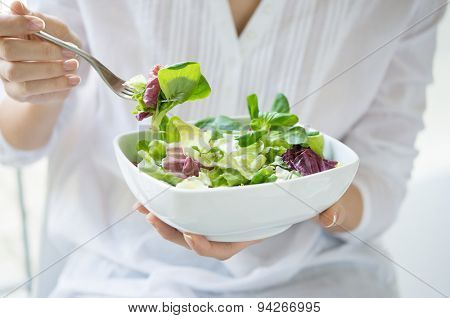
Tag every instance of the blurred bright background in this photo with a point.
(419, 241)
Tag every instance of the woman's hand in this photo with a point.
(197, 243)
(33, 70)
(344, 215)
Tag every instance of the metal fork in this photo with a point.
(116, 84)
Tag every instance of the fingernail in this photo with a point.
(188, 239)
(68, 54)
(70, 65)
(73, 80)
(35, 24)
(139, 208)
(24, 8)
(153, 224)
(333, 222)
(151, 218)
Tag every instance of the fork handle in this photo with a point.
(67, 45)
(99, 67)
(72, 47)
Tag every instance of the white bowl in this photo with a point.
(239, 213)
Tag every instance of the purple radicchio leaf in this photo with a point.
(306, 161)
(179, 164)
(191, 167)
(142, 115)
(152, 89)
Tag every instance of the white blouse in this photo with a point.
(288, 46)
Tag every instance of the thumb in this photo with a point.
(332, 217)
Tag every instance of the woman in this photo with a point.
(265, 47)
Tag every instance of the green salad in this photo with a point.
(219, 151)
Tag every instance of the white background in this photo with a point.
(419, 240)
(111, 308)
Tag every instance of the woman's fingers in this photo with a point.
(332, 217)
(15, 49)
(47, 98)
(24, 22)
(23, 91)
(18, 25)
(218, 250)
(166, 231)
(31, 71)
(197, 243)
(52, 25)
(138, 206)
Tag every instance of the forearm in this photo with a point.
(28, 126)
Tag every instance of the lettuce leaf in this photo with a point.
(264, 175)
(226, 177)
(272, 153)
(250, 138)
(233, 177)
(285, 174)
(252, 105)
(157, 150)
(171, 132)
(138, 84)
(246, 160)
(191, 136)
(220, 123)
(200, 182)
(274, 119)
(316, 143)
(149, 166)
(202, 90)
(179, 83)
(278, 117)
(207, 158)
(280, 104)
(295, 136)
(216, 178)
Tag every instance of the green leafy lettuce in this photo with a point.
(179, 83)
(149, 166)
(228, 152)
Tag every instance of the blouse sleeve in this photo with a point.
(384, 137)
(68, 12)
